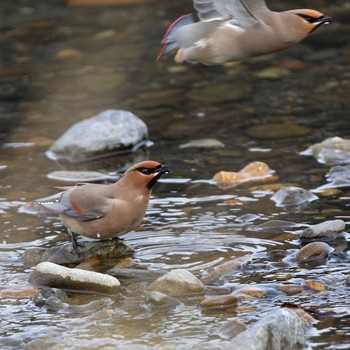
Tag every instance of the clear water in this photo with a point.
(189, 225)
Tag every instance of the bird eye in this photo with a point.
(144, 171)
(307, 18)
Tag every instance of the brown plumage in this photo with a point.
(107, 211)
(231, 30)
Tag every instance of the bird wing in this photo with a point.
(70, 203)
(238, 12)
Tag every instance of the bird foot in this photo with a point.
(74, 241)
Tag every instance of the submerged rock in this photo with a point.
(277, 131)
(313, 252)
(292, 197)
(161, 300)
(253, 173)
(279, 329)
(219, 301)
(332, 151)
(56, 276)
(337, 177)
(135, 274)
(232, 328)
(66, 254)
(203, 143)
(178, 282)
(110, 132)
(324, 229)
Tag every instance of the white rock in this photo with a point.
(292, 196)
(327, 228)
(57, 276)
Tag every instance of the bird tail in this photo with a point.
(168, 42)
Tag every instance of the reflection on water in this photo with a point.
(62, 64)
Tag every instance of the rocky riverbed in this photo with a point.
(245, 243)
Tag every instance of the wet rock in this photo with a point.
(56, 276)
(53, 303)
(178, 282)
(231, 329)
(251, 292)
(18, 292)
(316, 286)
(37, 344)
(246, 218)
(94, 318)
(41, 297)
(68, 53)
(66, 255)
(213, 274)
(272, 73)
(90, 264)
(275, 226)
(253, 173)
(337, 177)
(219, 301)
(110, 132)
(135, 274)
(290, 289)
(278, 329)
(313, 252)
(332, 151)
(161, 300)
(324, 229)
(203, 143)
(277, 131)
(218, 93)
(293, 197)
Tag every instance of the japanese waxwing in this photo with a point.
(107, 211)
(231, 30)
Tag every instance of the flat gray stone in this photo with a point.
(324, 229)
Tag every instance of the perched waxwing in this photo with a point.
(231, 30)
(107, 211)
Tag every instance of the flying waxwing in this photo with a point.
(231, 30)
(107, 211)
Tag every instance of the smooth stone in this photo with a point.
(178, 282)
(56, 276)
(41, 297)
(332, 151)
(203, 143)
(138, 274)
(277, 131)
(161, 300)
(110, 132)
(290, 289)
(251, 292)
(324, 229)
(217, 93)
(292, 196)
(219, 301)
(66, 254)
(313, 251)
(316, 286)
(278, 329)
(213, 274)
(272, 73)
(18, 292)
(231, 329)
(337, 177)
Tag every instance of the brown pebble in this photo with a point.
(251, 292)
(219, 301)
(291, 289)
(19, 292)
(245, 308)
(68, 53)
(123, 263)
(90, 264)
(317, 286)
(329, 192)
(313, 251)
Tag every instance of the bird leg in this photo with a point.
(74, 241)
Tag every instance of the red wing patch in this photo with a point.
(76, 207)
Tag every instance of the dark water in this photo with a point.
(60, 65)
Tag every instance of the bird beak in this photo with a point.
(157, 174)
(324, 20)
